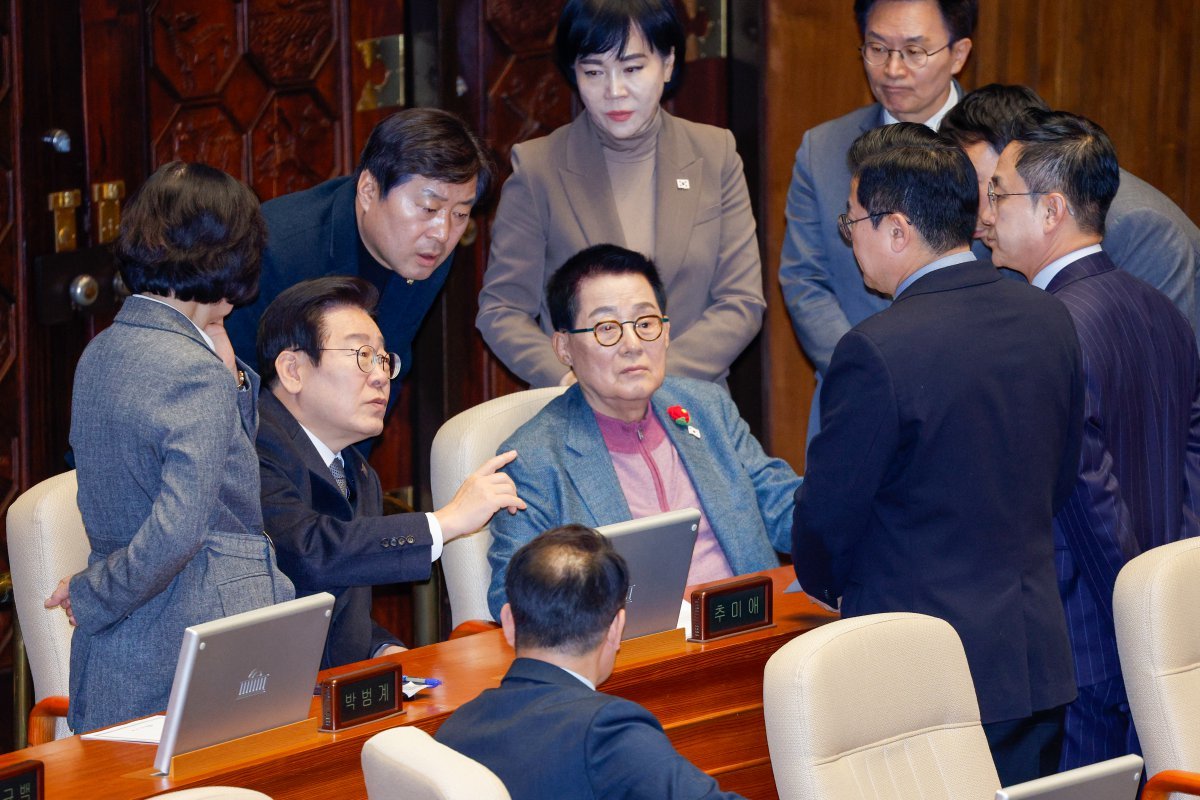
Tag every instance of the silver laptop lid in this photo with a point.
(1115, 779)
(658, 552)
(244, 674)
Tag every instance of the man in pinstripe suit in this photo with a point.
(1139, 471)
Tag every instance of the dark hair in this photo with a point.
(562, 292)
(588, 27)
(960, 16)
(193, 232)
(564, 588)
(295, 320)
(429, 142)
(987, 114)
(933, 185)
(1064, 152)
(885, 137)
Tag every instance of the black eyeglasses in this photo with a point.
(993, 195)
(877, 54)
(368, 357)
(608, 332)
(844, 223)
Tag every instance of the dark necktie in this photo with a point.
(339, 475)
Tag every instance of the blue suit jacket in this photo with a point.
(315, 233)
(1139, 473)
(950, 430)
(564, 474)
(547, 735)
(168, 491)
(326, 542)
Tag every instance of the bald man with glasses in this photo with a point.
(326, 378)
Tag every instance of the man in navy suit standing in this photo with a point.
(1139, 474)
(950, 430)
(911, 51)
(395, 223)
(545, 731)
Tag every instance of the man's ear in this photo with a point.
(1057, 211)
(900, 232)
(615, 629)
(558, 340)
(506, 623)
(367, 190)
(958, 55)
(287, 371)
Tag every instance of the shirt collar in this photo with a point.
(933, 266)
(579, 677)
(1043, 278)
(327, 455)
(207, 339)
(935, 121)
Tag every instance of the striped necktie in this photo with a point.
(339, 475)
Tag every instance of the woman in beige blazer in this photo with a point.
(625, 172)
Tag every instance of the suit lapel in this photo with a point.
(587, 187)
(588, 464)
(319, 473)
(676, 165)
(697, 456)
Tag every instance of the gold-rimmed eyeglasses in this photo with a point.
(608, 331)
(368, 357)
(844, 223)
(877, 54)
(993, 195)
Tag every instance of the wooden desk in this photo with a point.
(708, 697)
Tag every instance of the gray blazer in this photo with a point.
(564, 474)
(168, 491)
(559, 201)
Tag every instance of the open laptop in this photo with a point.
(658, 552)
(244, 674)
(1115, 779)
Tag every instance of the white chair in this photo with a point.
(215, 793)
(406, 763)
(460, 447)
(1156, 608)
(879, 706)
(46, 542)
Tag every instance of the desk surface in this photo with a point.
(707, 696)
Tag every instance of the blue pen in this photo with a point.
(430, 682)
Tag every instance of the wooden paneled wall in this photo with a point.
(1130, 65)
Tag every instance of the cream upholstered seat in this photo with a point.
(460, 447)
(1156, 608)
(879, 706)
(215, 793)
(407, 764)
(46, 542)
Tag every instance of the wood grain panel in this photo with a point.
(1128, 65)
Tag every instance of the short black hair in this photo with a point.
(295, 320)
(562, 292)
(429, 142)
(564, 588)
(987, 114)
(885, 137)
(193, 232)
(588, 27)
(960, 16)
(933, 185)
(1064, 152)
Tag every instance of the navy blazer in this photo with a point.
(950, 435)
(1139, 473)
(547, 735)
(328, 543)
(315, 233)
(564, 473)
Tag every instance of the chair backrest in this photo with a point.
(460, 447)
(46, 543)
(880, 706)
(406, 763)
(214, 793)
(1155, 608)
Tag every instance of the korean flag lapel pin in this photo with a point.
(683, 184)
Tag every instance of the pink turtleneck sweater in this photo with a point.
(653, 480)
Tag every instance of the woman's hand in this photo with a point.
(62, 598)
(221, 344)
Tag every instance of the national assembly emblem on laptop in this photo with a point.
(255, 683)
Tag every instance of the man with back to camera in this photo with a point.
(325, 384)
(545, 731)
(395, 223)
(1138, 482)
(911, 50)
(1145, 233)
(950, 433)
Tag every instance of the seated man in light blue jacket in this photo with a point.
(627, 442)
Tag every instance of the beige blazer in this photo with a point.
(559, 201)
